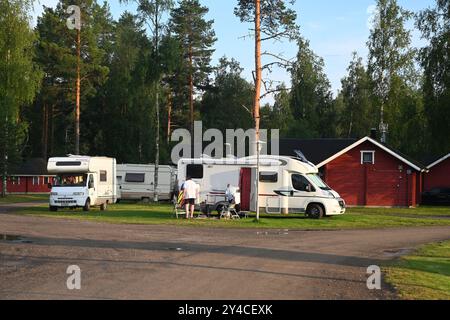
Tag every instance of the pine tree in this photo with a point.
(197, 37)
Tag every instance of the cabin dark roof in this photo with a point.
(315, 150)
(319, 150)
(31, 167)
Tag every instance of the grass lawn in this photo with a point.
(24, 198)
(424, 275)
(161, 214)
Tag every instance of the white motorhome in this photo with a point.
(82, 182)
(286, 185)
(137, 181)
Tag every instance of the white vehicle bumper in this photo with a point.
(67, 202)
(335, 207)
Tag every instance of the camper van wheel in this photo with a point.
(53, 209)
(314, 211)
(104, 206)
(87, 206)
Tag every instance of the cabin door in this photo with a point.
(245, 186)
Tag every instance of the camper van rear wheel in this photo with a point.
(104, 206)
(87, 206)
(314, 211)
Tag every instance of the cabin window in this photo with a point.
(195, 171)
(300, 183)
(103, 176)
(68, 164)
(135, 177)
(268, 177)
(367, 157)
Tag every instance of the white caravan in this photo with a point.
(136, 181)
(287, 185)
(82, 181)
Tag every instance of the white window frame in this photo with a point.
(367, 151)
(36, 181)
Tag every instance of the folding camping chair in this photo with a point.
(229, 212)
(178, 205)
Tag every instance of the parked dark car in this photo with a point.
(437, 196)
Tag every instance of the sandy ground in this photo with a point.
(168, 262)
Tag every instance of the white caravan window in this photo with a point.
(268, 177)
(195, 171)
(135, 177)
(103, 176)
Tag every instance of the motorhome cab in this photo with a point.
(82, 182)
(286, 185)
(137, 181)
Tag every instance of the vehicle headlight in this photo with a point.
(54, 193)
(78, 193)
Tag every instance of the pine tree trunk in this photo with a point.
(169, 115)
(45, 133)
(191, 90)
(258, 70)
(78, 89)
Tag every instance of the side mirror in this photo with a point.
(91, 185)
(292, 193)
(309, 188)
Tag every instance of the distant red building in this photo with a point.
(364, 172)
(438, 175)
(30, 177)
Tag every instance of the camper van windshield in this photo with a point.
(71, 180)
(318, 182)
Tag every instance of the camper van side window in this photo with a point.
(135, 177)
(195, 171)
(68, 164)
(299, 182)
(268, 177)
(103, 176)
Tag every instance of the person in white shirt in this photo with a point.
(191, 191)
(229, 194)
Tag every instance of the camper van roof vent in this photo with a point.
(301, 156)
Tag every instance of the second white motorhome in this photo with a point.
(136, 181)
(82, 182)
(286, 185)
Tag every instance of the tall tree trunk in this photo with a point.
(258, 69)
(78, 89)
(191, 90)
(169, 115)
(156, 178)
(52, 129)
(257, 100)
(45, 133)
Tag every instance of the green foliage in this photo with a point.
(311, 100)
(19, 77)
(230, 95)
(356, 115)
(435, 59)
(196, 38)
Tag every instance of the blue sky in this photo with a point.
(335, 28)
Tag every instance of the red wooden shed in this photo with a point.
(438, 175)
(364, 172)
(29, 177)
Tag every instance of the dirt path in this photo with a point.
(168, 262)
